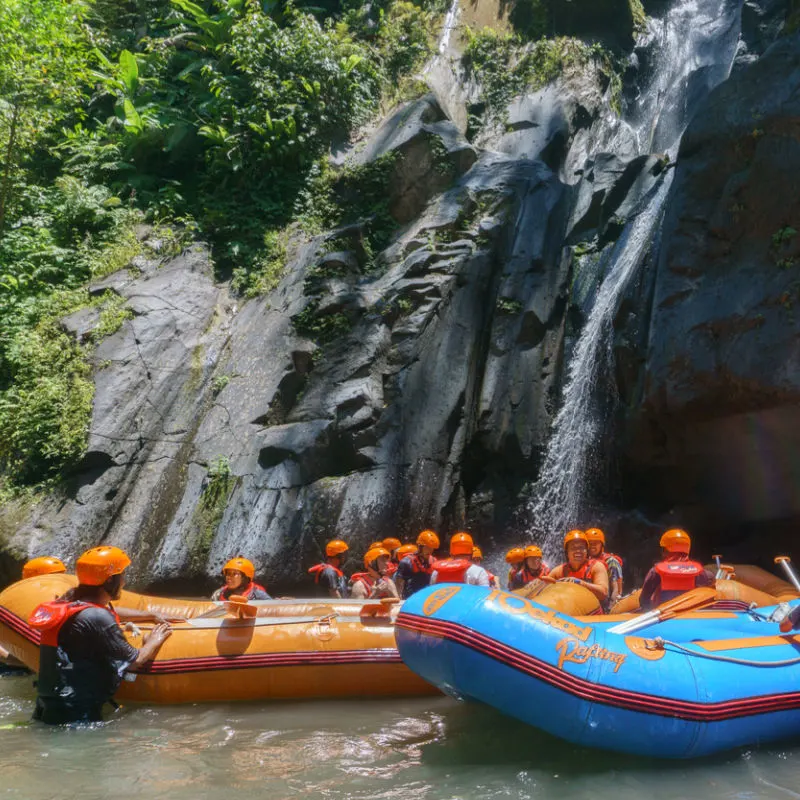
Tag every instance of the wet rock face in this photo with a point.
(717, 426)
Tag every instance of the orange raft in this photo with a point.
(290, 649)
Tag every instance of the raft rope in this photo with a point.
(661, 644)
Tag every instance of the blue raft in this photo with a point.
(703, 682)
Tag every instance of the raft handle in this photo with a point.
(659, 644)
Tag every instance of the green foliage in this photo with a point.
(404, 39)
(505, 66)
(219, 383)
(322, 328)
(218, 486)
(112, 316)
(510, 307)
(639, 16)
(785, 234)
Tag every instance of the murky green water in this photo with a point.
(433, 748)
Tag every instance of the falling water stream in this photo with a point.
(694, 46)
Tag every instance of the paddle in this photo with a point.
(378, 613)
(689, 601)
(786, 563)
(236, 604)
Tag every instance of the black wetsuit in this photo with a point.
(82, 674)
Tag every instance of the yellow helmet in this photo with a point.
(242, 565)
(575, 536)
(97, 565)
(476, 553)
(595, 535)
(516, 555)
(428, 539)
(461, 544)
(532, 551)
(676, 540)
(374, 553)
(335, 548)
(44, 565)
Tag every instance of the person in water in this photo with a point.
(239, 574)
(459, 568)
(392, 545)
(515, 558)
(375, 582)
(83, 654)
(675, 573)
(414, 571)
(531, 569)
(613, 563)
(477, 558)
(329, 579)
(579, 568)
(44, 565)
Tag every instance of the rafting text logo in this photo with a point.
(570, 650)
(438, 599)
(514, 604)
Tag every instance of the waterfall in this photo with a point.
(695, 44)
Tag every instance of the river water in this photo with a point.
(434, 748)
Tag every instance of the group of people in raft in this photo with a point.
(84, 654)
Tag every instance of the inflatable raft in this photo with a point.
(290, 649)
(701, 682)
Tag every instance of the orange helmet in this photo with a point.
(374, 553)
(461, 544)
(595, 535)
(44, 565)
(97, 565)
(516, 555)
(242, 565)
(390, 543)
(532, 551)
(335, 548)
(676, 540)
(575, 536)
(429, 539)
(407, 550)
(375, 544)
(476, 553)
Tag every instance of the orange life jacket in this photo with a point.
(49, 618)
(525, 576)
(582, 574)
(365, 578)
(418, 565)
(318, 569)
(225, 592)
(451, 570)
(391, 568)
(676, 577)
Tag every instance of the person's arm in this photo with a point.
(554, 575)
(400, 577)
(614, 580)
(358, 591)
(598, 585)
(649, 588)
(331, 580)
(387, 585)
(151, 645)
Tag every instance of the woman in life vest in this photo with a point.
(239, 576)
(329, 580)
(459, 567)
(515, 558)
(477, 558)
(414, 571)
(532, 568)
(392, 544)
(375, 582)
(83, 654)
(612, 562)
(675, 573)
(579, 568)
(44, 565)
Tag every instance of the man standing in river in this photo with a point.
(83, 654)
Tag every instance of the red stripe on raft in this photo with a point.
(19, 626)
(586, 690)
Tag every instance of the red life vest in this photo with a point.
(49, 618)
(225, 592)
(526, 576)
(451, 570)
(676, 577)
(604, 557)
(318, 569)
(418, 565)
(365, 578)
(582, 574)
(391, 568)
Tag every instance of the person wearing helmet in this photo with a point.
(44, 565)
(459, 567)
(406, 550)
(392, 545)
(675, 573)
(375, 582)
(531, 569)
(477, 558)
(515, 558)
(612, 562)
(329, 579)
(414, 571)
(83, 654)
(239, 574)
(579, 568)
